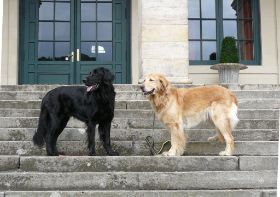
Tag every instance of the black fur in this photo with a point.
(92, 107)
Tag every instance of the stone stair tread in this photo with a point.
(78, 134)
(146, 113)
(136, 163)
(252, 103)
(138, 180)
(146, 193)
(126, 148)
(140, 123)
(134, 95)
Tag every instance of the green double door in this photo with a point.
(63, 40)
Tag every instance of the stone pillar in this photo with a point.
(164, 38)
(1, 33)
(277, 8)
(10, 43)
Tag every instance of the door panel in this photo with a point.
(93, 32)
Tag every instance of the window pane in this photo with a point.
(62, 49)
(208, 9)
(104, 31)
(245, 30)
(45, 51)
(88, 51)
(104, 11)
(46, 11)
(209, 29)
(45, 31)
(230, 28)
(104, 51)
(194, 10)
(245, 9)
(62, 31)
(209, 50)
(194, 29)
(246, 50)
(88, 11)
(194, 50)
(88, 31)
(62, 11)
(229, 8)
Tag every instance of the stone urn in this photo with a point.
(228, 72)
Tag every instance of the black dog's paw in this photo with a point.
(92, 154)
(112, 153)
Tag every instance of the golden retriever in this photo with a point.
(174, 105)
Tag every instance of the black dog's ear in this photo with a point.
(108, 76)
(84, 81)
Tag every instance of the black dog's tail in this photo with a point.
(39, 136)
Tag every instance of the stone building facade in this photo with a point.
(156, 37)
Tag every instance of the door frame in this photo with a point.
(22, 32)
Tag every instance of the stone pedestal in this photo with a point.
(228, 72)
(164, 39)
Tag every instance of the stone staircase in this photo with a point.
(251, 172)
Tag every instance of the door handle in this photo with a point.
(78, 55)
(67, 58)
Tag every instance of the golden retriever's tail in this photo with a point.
(233, 113)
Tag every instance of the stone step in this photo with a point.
(133, 113)
(135, 95)
(147, 164)
(127, 148)
(145, 193)
(141, 104)
(136, 163)
(78, 134)
(134, 87)
(209, 180)
(120, 123)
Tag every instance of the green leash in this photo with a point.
(151, 144)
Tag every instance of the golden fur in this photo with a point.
(192, 105)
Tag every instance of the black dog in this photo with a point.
(93, 104)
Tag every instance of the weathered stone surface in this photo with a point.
(157, 50)
(258, 163)
(164, 33)
(144, 104)
(79, 134)
(164, 12)
(128, 164)
(144, 113)
(143, 193)
(9, 163)
(138, 180)
(138, 148)
(132, 87)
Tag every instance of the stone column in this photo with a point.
(1, 24)
(164, 38)
(10, 42)
(277, 8)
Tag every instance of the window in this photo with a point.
(212, 20)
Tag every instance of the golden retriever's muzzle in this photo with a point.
(145, 92)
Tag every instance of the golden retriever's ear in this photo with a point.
(163, 83)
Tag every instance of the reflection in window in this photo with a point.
(54, 30)
(46, 11)
(62, 49)
(232, 18)
(45, 51)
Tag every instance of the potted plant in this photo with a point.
(229, 65)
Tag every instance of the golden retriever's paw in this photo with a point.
(168, 153)
(225, 153)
